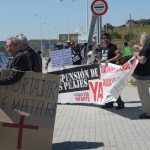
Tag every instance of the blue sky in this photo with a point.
(18, 16)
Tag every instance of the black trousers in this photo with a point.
(119, 101)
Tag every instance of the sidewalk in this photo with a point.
(84, 127)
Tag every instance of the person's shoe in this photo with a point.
(144, 116)
(108, 105)
(120, 105)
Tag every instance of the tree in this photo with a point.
(116, 35)
(129, 36)
(108, 26)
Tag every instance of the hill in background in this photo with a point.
(130, 31)
(134, 26)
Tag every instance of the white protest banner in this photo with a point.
(92, 83)
(60, 58)
(27, 112)
(118, 86)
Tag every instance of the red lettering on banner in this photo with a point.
(110, 69)
(85, 94)
(97, 90)
(107, 69)
(77, 98)
(20, 126)
(82, 97)
(109, 81)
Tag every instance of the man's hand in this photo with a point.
(105, 63)
(136, 54)
(137, 47)
(142, 59)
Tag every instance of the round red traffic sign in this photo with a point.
(99, 7)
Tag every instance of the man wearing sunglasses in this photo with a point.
(110, 54)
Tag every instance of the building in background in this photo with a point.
(63, 38)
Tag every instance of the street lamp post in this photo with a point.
(68, 19)
(68, 27)
(56, 32)
(40, 31)
(48, 27)
(87, 17)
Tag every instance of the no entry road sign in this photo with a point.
(99, 7)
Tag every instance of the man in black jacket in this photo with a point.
(35, 58)
(18, 65)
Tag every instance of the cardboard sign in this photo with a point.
(60, 58)
(27, 112)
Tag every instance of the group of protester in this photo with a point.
(24, 58)
(109, 53)
(141, 73)
(90, 54)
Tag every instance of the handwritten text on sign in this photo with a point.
(27, 112)
(35, 94)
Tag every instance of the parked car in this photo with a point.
(3, 60)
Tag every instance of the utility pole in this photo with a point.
(68, 19)
(100, 33)
(48, 32)
(87, 18)
(130, 27)
(40, 31)
(99, 29)
(68, 28)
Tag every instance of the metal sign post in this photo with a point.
(98, 8)
(100, 33)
